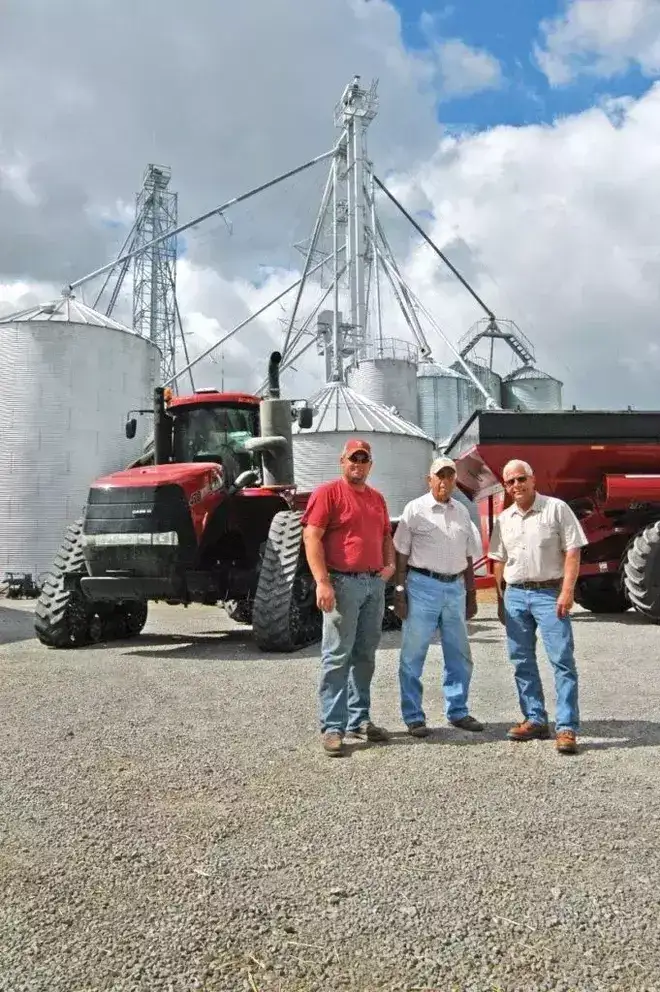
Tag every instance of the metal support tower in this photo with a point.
(354, 113)
(154, 269)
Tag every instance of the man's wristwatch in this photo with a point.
(399, 588)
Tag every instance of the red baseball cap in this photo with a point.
(355, 445)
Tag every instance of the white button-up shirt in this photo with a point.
(533, 544)
(437, 536)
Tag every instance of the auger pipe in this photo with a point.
(199, 220)
(435, 248)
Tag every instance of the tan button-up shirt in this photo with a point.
(437, 536)
(533, 544)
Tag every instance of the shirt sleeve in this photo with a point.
(496, 549)
(475, 549)
(318, 512)
(387, 527)
(402, 534)
(570, 530)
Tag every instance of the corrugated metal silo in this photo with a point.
(531, 389)
(444, 399)
(69, 377)
(387, 374)
(402, 452)
(486, 376)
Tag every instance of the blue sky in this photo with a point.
(508, 29)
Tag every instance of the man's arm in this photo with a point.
(313, 541)
(402, 546)
(388, 556)
(566, 596)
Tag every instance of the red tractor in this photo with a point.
(209, 514)
(605, 465)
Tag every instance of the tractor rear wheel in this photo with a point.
(641, 571)
(285, 614)
(602, 594)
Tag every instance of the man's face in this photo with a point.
(519, 484)
(442, 484)
(356, 467)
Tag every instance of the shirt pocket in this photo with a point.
(546, 535)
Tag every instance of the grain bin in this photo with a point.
(69, 377)
(530, 389)
(445, 398)
(486, 376)
(386, 373)
(402, 453)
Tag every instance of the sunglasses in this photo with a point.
(517, 478)
(361, 459)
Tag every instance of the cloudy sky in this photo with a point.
(524, 136)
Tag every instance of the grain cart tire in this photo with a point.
(641, 572)
(285, 616)
(602, 594)
(61, 618)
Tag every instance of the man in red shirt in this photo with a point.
(348, 542)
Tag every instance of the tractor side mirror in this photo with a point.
(131, 428)
(305, 417)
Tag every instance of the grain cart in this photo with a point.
(209, 515)
(605, 465)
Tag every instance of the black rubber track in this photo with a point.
(285, 615)
(63, 618)
(60, 616)
(642, 572)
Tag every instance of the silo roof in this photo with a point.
(429, 370)
(66, 309)
(338, 408)
(528, 372)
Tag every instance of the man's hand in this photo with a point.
(386, 573)
(400, 605)
(325, 596)
(471, 608)
(500, 608)
(565, 602)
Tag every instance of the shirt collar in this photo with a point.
(534, 508)
(431, 501)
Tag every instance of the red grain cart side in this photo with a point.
(605, 465)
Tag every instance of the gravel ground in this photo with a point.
(168, 821)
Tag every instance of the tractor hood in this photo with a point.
(191, 474)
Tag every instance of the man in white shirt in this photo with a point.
(436, 544)
(535, 546)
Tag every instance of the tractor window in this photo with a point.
(215, 434)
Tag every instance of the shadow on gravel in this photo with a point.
(595, 735)
(15, 625)
(221, 645)
(632, 618)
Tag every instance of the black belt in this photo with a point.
(544, 584)
(440, 576)
(335, 571)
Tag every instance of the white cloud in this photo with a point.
(600, 38)
(463, 70)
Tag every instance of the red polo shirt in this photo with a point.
(355, 523)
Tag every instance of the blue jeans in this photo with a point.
(525, 611)
(431, 605)
(351, 634)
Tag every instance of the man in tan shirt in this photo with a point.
(536, 545)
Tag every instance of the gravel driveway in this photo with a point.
(168, 821)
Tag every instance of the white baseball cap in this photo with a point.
(439, 463)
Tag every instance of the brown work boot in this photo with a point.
(333, 743)
(566, 742)
(418, 729)
(528, 731)
(368, 731)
